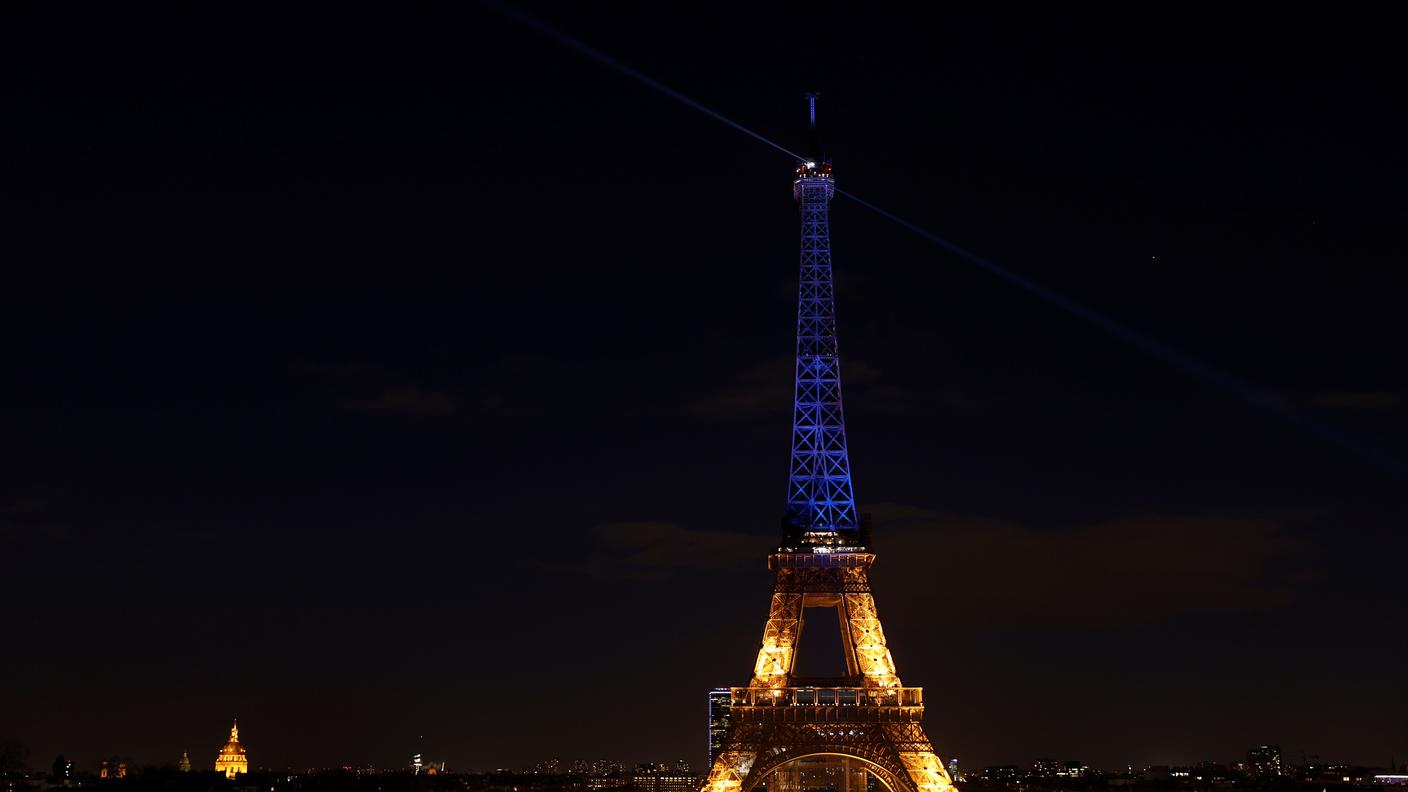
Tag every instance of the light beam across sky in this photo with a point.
(1356, 445)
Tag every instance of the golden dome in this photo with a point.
(232, 759)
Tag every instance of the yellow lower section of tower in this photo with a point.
(729, 770)
(867, 715)
(926, 771)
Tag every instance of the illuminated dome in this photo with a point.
(232, 759)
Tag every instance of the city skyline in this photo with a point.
(1259, 761)
(425, 390)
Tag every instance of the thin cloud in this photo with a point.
(410, 400)
(30, 518)
(658, 550)
(362, 387)
(1120, 570)
(1354, 400)
(965, 570)
(16, 531)
(765, 389)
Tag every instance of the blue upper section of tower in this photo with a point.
(821, 504)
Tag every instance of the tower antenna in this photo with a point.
(813, 143)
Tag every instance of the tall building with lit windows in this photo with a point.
(719, 701)
(1264, 761)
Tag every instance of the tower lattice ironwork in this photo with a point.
(821, 501)
(867, 716)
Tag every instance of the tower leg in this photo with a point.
(779, 650)
(728, 772)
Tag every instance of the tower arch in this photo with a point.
(876, 766)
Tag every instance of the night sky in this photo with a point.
(372, 378)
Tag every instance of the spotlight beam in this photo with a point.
(582, 48)
(1230, 385)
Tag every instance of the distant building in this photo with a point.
(1074, 769)
(185, 764)
(605, 767)
(999, 773)
(720, 703)
(63, 770)
(232, 759)
(1155, 773)
(116, 767)
(1264, 761)
(1211, 772)
(663, 778)
(1326, 773)
(954, 773)
(1045, 768)
(421, 766)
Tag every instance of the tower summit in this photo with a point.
(821, 503)
(787, 731)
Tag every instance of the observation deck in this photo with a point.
(814, 169)
(820, 558)
(828, 704)
(816, 173)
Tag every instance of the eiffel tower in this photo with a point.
(786, 732)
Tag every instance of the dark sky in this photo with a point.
(371, 377)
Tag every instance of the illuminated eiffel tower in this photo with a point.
(797, 734)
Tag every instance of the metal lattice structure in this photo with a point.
(820, 497)
(823, 563)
